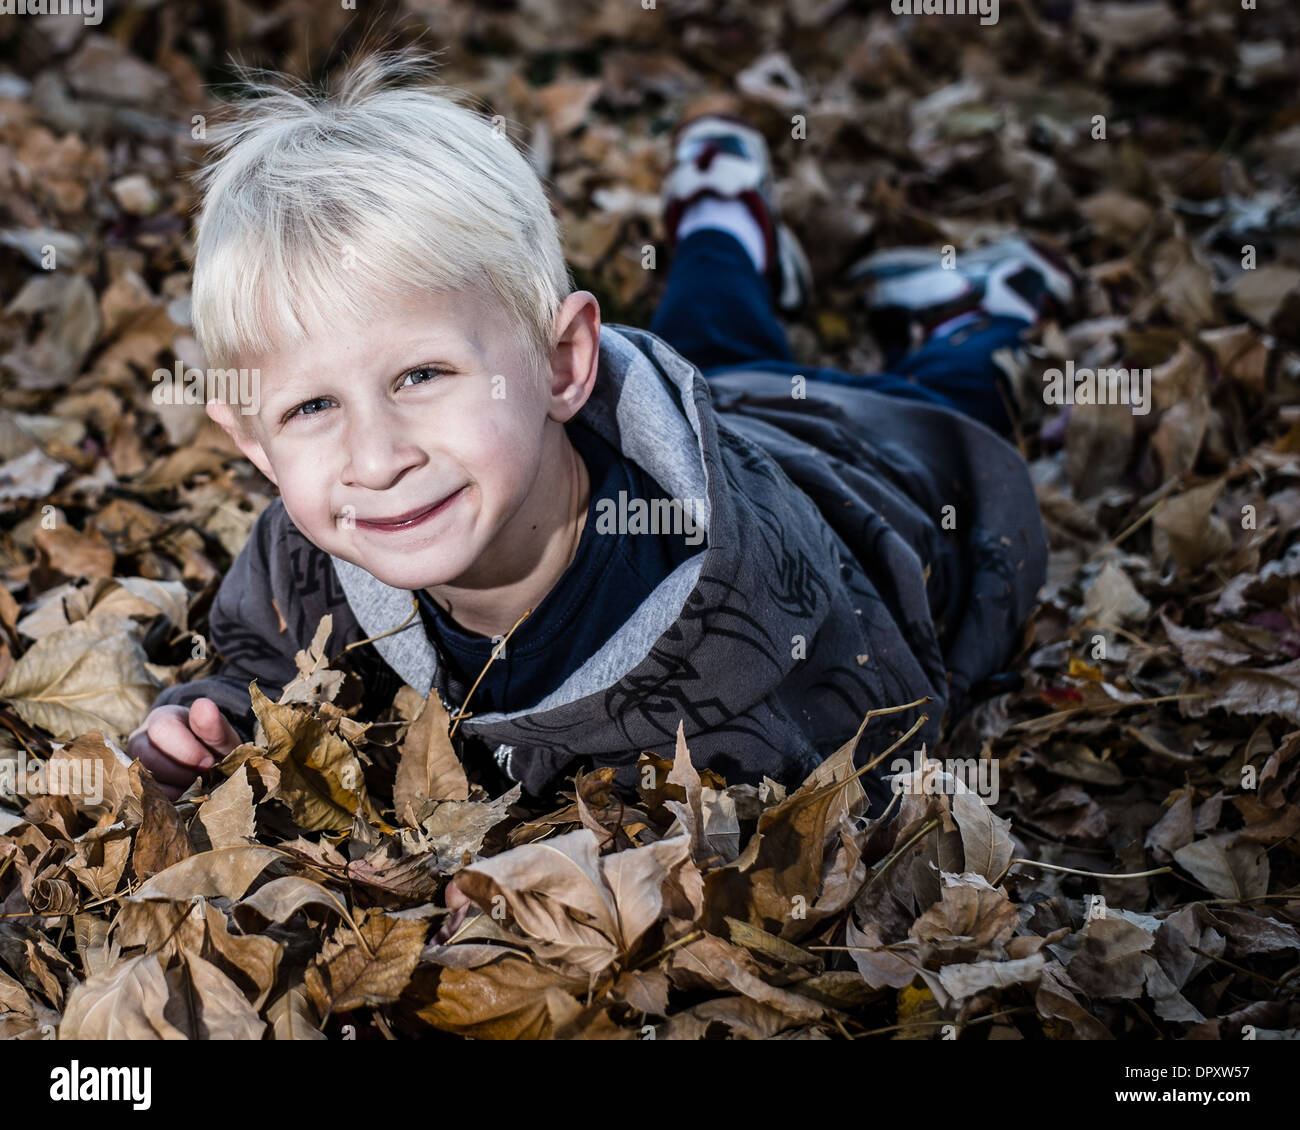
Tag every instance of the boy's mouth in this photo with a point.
(411, 518)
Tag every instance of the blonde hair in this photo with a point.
(320, 205)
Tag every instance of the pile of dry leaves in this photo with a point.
(1155, 729)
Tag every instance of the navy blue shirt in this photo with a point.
(609, 577)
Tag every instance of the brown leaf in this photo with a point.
(68, 552)
(292, 1016)
(713, 962)
(456, 828)
(636, 880)
(804, 862)
(968, 921)
(1112, 600)
(506, 1000)
(280, 899)
(1111, 960)
(1229, 869)
(321, 779)
(554, 894)
(690, 811)
(344, 976)
(226, 872)
(1188, 531)
(122, 1003)
(316, 682)
(1174, 829)
(1055, 998)
(162, 839)
(90, 676)
(880, 967)
(747, 1019)
(210, 1005)
(1252, 690)
(964, 981)
(1249, 932)
(645, 990)
(101, 859)
(227, 815)
(429, 768)
(90, 767)
(985, 837)
(250, 960)
(1259, 294)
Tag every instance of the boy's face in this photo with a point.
(420, 446)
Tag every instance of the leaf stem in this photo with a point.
(496, 651)
(1088, 874)
(415, 611)
(893, 856)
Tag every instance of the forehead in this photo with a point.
(462, 325)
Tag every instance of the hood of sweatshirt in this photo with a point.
(832, 579)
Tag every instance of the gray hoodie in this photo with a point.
(861, 551)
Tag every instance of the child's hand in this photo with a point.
(177, 743)
(456, 901)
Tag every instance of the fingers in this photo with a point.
(172, 778)
(209, 725)
(177, 743)
(169, 731)
(459, 904)
(451, 925)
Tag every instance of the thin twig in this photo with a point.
(1043, 721)
(1133, 527)
(1241, 969)
(888, 863)
(415, 611)
(1076, 871)
(940, 1023)
(496, 651)
(671, 946)
(921, 721)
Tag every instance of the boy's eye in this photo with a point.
(306, 407)
(428, 372)
(423, 375)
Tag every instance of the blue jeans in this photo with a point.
(717, 313)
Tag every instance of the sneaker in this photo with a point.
(1014, 277)
(718, 155)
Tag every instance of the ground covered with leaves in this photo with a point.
(1152, 731)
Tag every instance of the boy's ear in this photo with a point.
(576, 357)
(224, 416)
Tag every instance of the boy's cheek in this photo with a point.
(498, 454)
(307, 504)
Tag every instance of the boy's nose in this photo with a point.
(378, 456)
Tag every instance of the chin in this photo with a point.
(410, 574)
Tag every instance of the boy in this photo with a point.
(761, 556)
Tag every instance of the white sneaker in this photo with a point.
(721, 156)
(1012, 277)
